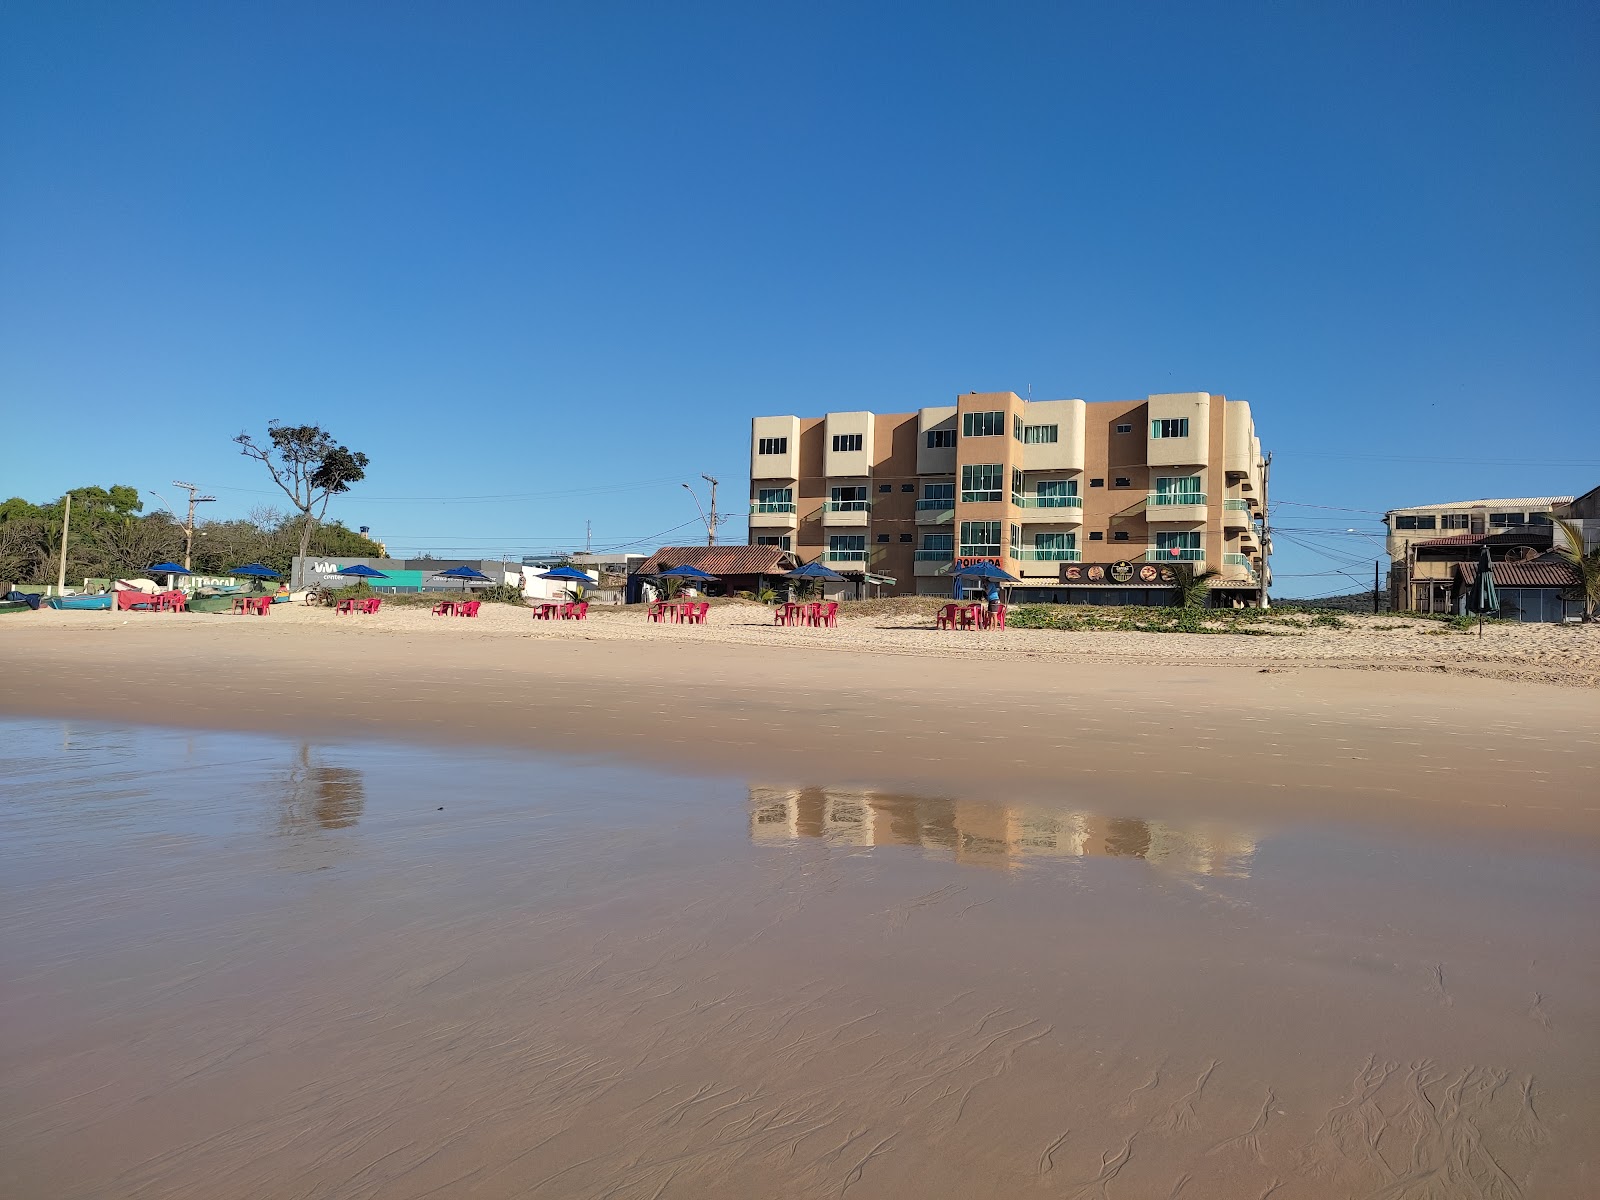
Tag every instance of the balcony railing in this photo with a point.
(1236, 505)
(947, 504)
(1173, 554)
(772, 506)
(845, 555)
(846, 505)
(934, 555)
(1047, 554)
(1239, 560)
(1022, 500)
(1164, 498)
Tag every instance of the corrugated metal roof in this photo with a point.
(1538, 572)
(721, 560)
(1506, 502)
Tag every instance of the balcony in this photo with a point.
(1042, 554)
(772, 513)
(846, 513)
(929, 563)
(936, 512)
(1238, 562)
(844, 556)
(1174, 554)
(1187, 507)
(1056, 510)
(1236, 514)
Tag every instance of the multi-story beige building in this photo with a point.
(1426, 586)
(1083, 502)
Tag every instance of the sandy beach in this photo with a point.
(406, 907)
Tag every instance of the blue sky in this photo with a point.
(543, 262)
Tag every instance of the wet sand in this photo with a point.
(256, 966)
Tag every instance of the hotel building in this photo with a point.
(1083, 502)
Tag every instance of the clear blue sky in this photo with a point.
(563, 253)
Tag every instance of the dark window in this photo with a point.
(1097, 537)
(1034, 435)
(1170, 427)
(1097, 483)
(1413, 522)
(1122, 481)
(772, 446)
(886, 487)
(907, 537)
(1455, 521)
(1119, 536)
(883, 537)
(941, 439)
(844, 443)
(908, 487)
(1124, 428)
(983, 424)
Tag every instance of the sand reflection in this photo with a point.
(988, 833)
(318, 797)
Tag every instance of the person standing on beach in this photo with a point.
(993, 598)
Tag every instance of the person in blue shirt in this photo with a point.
(994, 598)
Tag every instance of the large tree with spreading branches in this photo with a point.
(310, 467)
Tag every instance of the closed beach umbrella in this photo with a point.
(1483, 599)
(463, 574)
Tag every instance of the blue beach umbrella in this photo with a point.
(170, 568)
(568, 575)
(815, 570)
(983, 572)
(362, 571)
(463, 574)
(255, 571)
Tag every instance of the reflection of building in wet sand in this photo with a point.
(992, 833)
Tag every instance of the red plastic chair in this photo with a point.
(372, 605)
(695, 614)
(830, 614)
(469, 609)
(444, 608)
(946, 618)
(580, 610)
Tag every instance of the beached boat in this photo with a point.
(75, 602)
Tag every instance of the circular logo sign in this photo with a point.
(1147, 573)
(1121, 572)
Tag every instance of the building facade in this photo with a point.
(1416, 591)
(1083, 502)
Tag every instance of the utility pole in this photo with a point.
(588, 537)
(61, 572)
(1375, 563)
(1266, 533)
(711, 525)
(188, 529)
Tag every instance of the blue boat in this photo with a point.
(100, 602)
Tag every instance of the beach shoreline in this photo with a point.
(1148, 722)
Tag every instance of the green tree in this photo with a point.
(309, 467)
(1587, 566)
(1193, 587)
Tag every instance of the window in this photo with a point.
(1016, 427)
(906, 537)
(1035, 435)
(772, 446)
(938, 495)
(943, 543)
(846, 443)
(847, 499)
(886, 487)
(980, 539)
(1170, 427)
(1016, 540)
(980, 484)
(1016, 483)
(1180, 489)
(984, 424)
(1505, 520)
(1097, 536)
(1454, 521)
(1119, 536)
(1055, 541)
(1056, 487)
(1178, 545)
(1124, 428)
(908, 487)
(781, 543)
(883, 537)
(941, 439)
(1097, 483)
(1122, 481)
(1538, 518)
(774, 500)
(847, 547)
(1411, 522)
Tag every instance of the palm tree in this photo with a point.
(1586, 566)
(1193, 586)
